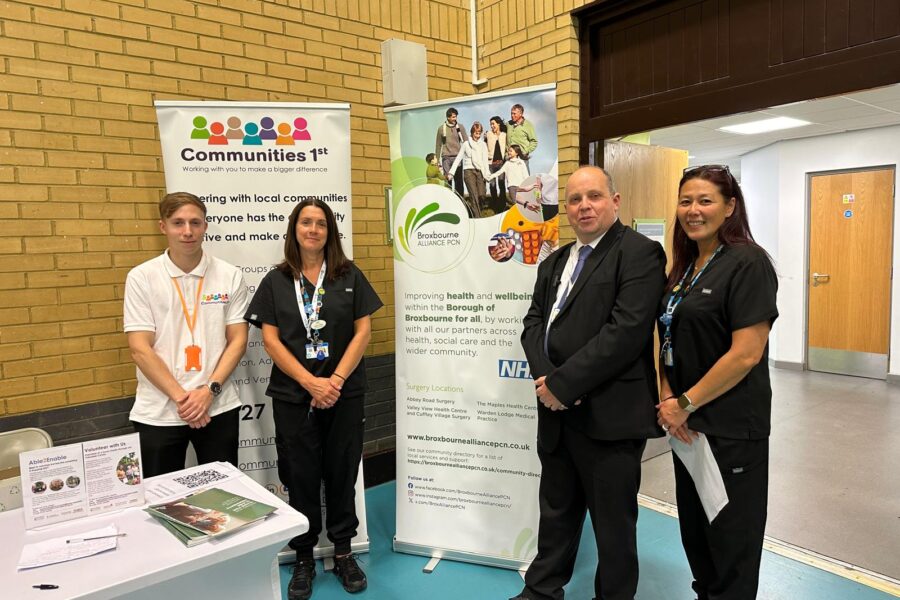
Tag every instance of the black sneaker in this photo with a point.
(300, 587)
(351, 576)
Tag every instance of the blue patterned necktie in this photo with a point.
(583, 253)
(582, 256)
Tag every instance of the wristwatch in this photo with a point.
(215, 388)
(685, 403)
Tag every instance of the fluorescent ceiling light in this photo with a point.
(765, 126)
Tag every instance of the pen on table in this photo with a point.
(46, 586)
(99, 537)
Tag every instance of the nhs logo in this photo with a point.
(517, 369)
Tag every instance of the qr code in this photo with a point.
(199, 479)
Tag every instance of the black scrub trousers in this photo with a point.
(316, 445)
(737, 290)
(725, 555)
(321, 445)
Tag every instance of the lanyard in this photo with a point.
(310, 307)
(191, 320)
(675, 298)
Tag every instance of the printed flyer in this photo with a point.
(465, 261)
(68, 482)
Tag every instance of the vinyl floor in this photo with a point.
(834, 477)
(664, 571)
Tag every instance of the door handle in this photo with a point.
(820, 278)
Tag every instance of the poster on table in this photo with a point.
(251, 163)
(78, 480)
(467, 466)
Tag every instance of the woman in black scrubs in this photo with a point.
(314, 310)
(714, 377)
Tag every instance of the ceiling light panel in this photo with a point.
(765, 126)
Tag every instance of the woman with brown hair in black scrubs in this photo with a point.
(314, 311)
(714, 327)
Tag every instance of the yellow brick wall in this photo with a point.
(80, 166)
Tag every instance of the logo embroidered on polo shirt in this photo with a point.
(214, 299)
(706, 291)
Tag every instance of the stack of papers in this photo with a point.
(196, 518)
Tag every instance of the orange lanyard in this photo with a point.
(191, 320)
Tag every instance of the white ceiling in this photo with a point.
(878, 107)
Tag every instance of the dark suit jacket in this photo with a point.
(600, 346)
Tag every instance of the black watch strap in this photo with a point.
(685, 403)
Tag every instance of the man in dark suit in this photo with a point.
(589, 342)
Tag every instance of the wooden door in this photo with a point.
(850, 250)
(647, 178)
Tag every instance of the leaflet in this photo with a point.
(700, 462)
(69, 482)
(213, 512)
(63, 549)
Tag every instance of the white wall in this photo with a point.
(761, 197)
(775, 184)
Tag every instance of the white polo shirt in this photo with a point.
(152, 304)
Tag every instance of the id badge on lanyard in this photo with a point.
(678, 293)
(192, 353)
(317, 351)
(309, 313)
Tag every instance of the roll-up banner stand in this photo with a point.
(467, 466)
(251, 163)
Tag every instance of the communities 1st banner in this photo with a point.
(251, 163)
(465, 262)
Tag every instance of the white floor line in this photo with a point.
(871, 579)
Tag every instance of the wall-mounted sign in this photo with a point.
(848, 198)
(655, 229)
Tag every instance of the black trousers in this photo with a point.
(498, 189)
(603, 477)
(321, 446)
(163, 449)
(724, 555)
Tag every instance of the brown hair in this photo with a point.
(337, 262)
(172, 202)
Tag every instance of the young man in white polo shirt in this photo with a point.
(184, 316)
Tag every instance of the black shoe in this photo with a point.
(351, 576)
(300, 587)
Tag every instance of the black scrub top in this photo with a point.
(737, 290)
(346, 299)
